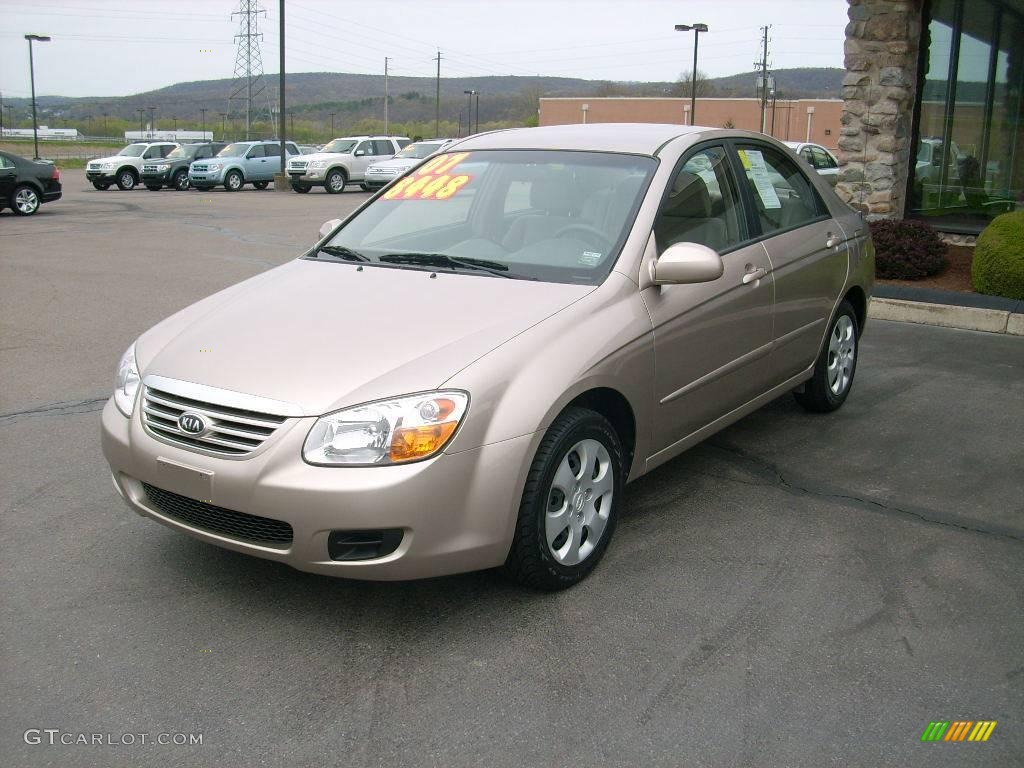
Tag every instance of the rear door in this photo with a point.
(808, 252)
(711, 340)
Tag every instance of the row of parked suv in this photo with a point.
(369, 161)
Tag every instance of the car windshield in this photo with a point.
(186, 151)
(339, 146)
(550, 215)
(133, 150)
(234, 150)
(419, 150)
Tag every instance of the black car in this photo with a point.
(172, 171)
(26, 184)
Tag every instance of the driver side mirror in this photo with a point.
(359, 153)
(328, 226)
(687, 263)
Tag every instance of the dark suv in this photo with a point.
(172, 171)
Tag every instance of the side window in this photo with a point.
(256, 151)
(272, 150)
(202, 153)
(166, 149)
(151, 153)
(364, 148)
(290, 148)
(823, 159)
(403, 143)
(783, 195)
(384, 147)
(703, 205)
(5, 163)
(807, 153)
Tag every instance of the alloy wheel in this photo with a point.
(26, 201)
(579, 502)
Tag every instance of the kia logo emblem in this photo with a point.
(192, 423)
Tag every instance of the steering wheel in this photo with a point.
(593, 235)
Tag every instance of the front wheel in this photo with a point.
(828, 388)
(126, 180)
(567, 513)
(180, 181)
(101, 186)
(233, 181)
(335, 182)
(25, 201)
(261, 184)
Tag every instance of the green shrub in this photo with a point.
(906, 250)
(998, 267)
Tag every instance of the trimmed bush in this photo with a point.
(906, 250)
(998, 266)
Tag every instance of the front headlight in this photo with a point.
(162, 168)
(214, 166)
(394, 431)
(318, 164)
(107, 166)
(127, 385)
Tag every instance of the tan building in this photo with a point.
(816, 120)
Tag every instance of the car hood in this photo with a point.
(323, 336)
(114, 159)
(320, 156)
(401, 164)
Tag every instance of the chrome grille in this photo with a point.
(231, 431)
(149, 169)
(297, 165)
(199, 167)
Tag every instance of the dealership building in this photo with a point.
(932, 121)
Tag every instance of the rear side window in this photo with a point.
(383, 147)
(272, 150)
(5, 163)
(783, 196)
(703, 205)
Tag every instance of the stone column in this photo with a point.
(882, 43)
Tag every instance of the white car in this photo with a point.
(342, 162)
(125, 168)
(820, 159)
(381, 174)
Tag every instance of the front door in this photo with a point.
(361, 157)
(807, 249)
(8, 177)
(711, 340)
(256, 164)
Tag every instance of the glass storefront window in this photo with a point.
(968, 160)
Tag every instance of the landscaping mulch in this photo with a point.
(955, 276)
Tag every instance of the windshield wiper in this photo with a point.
(342, 252)
(444, 261)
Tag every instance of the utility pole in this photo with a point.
(1, 114)
(763, 64)
(437, 103)
(478, 111)
(280, 85)
(223, 125)
(142, 122)
(32, 78)
(202, 111)
(386, 97)
(152, 125)
(459, 135)
(469, 113)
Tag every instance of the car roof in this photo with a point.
(634, 138)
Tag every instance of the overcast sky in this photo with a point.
(120, 47)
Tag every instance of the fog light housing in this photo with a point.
(349, 546)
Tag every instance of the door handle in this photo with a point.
(754, 276)
(832, 241)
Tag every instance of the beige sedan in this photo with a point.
(465, 372)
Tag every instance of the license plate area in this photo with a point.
(185, 480)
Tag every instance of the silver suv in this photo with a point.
(342, 162)
(240, 163)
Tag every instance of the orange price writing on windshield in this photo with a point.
(438, 187)
(441, 164)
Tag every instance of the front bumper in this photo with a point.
(313, 176)
(378, 180)
(205, 178)
(457, 511)
(156, 177)
(96, 175)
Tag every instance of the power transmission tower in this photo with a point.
(249, 84)
(437, 116)
(762, 80)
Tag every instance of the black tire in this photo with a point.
(261, 184)
(817, 394)
(154, 187)
(233, 181)
(335, 181)
(301, 188)
(180, 180)
(101, 186)
(365, 187)
(126, 179)
(25, 200)
(530, 560)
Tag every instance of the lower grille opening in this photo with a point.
(227, 522)
(363, 545)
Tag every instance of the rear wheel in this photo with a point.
(301, 188)
(180, 180)
(233, 181)
(25, 200)
(567, 513)
(261, 184)
(836, 365)
(101, 186)
(126, 180)
(335, 181)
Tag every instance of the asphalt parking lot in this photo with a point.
(798, 591)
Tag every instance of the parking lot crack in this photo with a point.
(66, 408)
(780, 480)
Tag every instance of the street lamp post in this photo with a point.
(697, 29)
(152, 122)
(469, 112)
(32, 78)
(478, 111)
(142, 123)
(202, 111)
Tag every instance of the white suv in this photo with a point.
(125, 168)
(341, 162)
